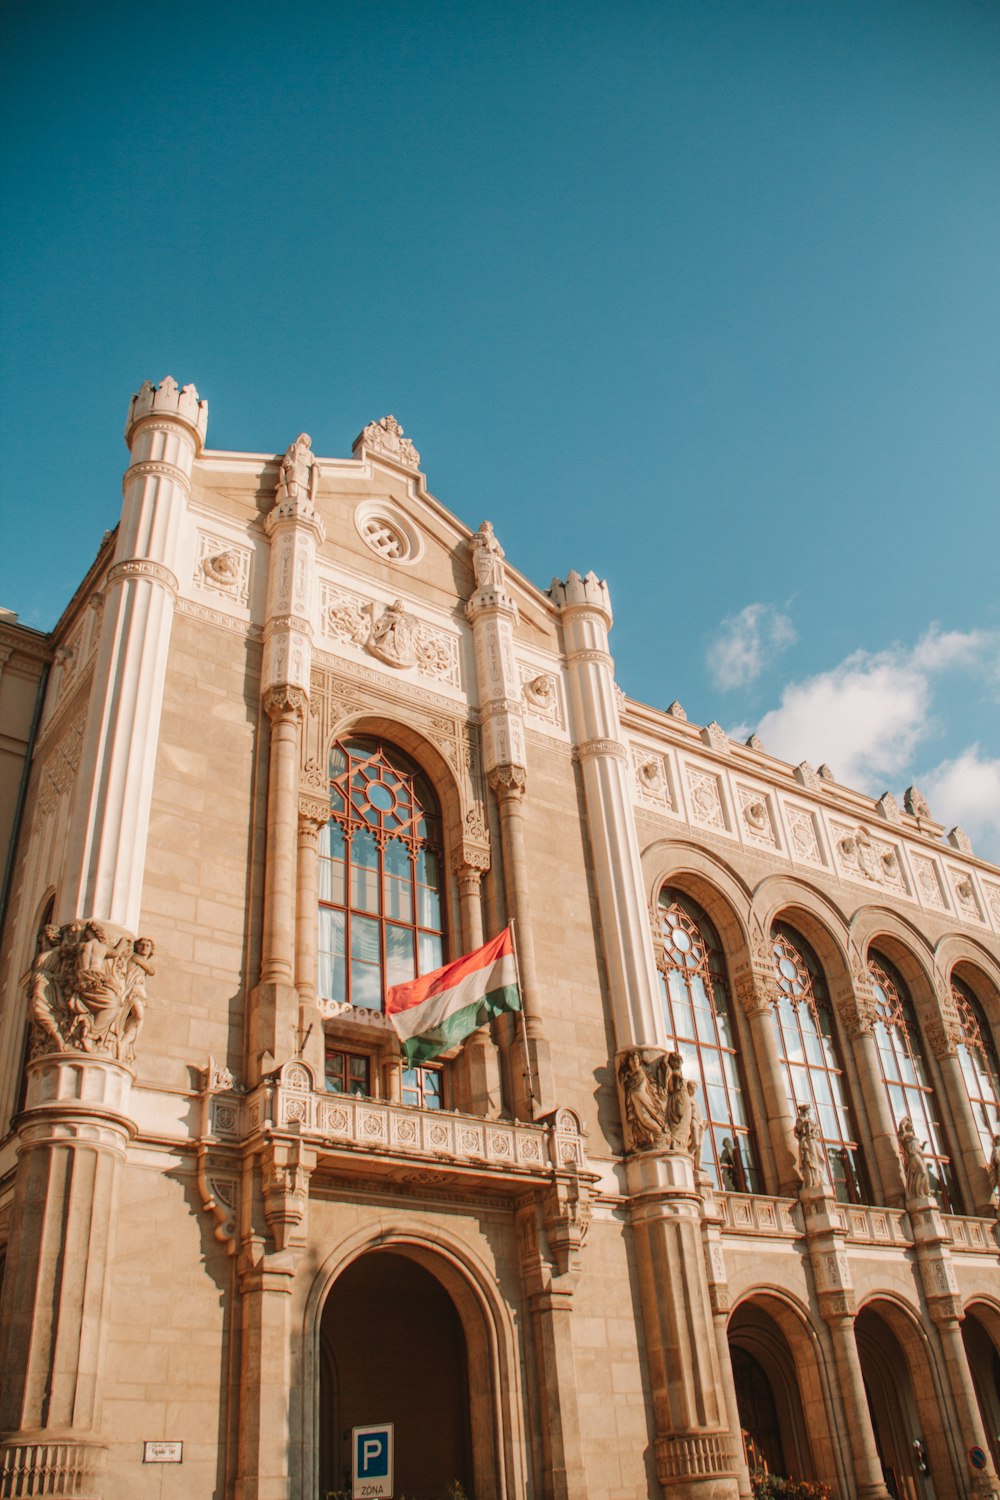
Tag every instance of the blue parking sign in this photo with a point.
(371, 1462)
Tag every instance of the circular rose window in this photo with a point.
(384, 528)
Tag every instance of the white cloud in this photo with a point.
(747, 643)
(867, 716)
(966, 791)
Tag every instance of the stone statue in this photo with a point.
(677, 1110)
(487, 560)
(643, 1102)
(730, 1166)
(918, 1183)
(299, 476)
(810, 1166)
(393, 637)
(993, 1169)
(87, 993)
(698, 1123)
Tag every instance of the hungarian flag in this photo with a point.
(438, 1010)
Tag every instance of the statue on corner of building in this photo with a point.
(643, 1102)
(678, 1109)
(487, 560)
(810, 1169)
(299, 474)
(698, 1123)
(87, 993)
(918, 1182)
(993, 1169)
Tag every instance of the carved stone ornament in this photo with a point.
(676, 711)
(386, 436)
(393, 637)
(809, 1149)
(918, 1182)
(657, 1107)
(88, 991)
(284, 699)
(217, 1078)
(993, 1171)
(540, 693)
(754, 742)
(825, 774)
(916, 803)
(888, 807)
(223, 570)
(298, 476)
(508, 780)
(487, 561)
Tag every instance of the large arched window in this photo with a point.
(381, 895)
(903, 1069)
(699, 1021)
(811, 1060)
(978, 1057)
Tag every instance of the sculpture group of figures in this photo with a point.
(88, 994)
(661, 1106)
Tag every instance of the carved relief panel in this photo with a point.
(222, 568)
(705, 796)
(390, 633)
(652, 779)
(804, 834)
(756, 816)
(928, 881)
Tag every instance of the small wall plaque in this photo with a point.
(162, 1453)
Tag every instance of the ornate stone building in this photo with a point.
(721, 1195)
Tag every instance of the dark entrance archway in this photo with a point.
(900, 1420)
(777, 1381)
(393, 1349)
(981, 1336)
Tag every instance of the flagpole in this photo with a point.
(524, 1032)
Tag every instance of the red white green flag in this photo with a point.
(439, 1010)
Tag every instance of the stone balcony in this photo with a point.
(360, 1136)
(753, 1214)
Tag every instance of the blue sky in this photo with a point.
(703, 296)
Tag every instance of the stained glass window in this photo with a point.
(978, 1057)
(381, 917)
(904, 1072)
(700, 1025)
(811, 1060)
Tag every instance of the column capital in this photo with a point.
(314, 814)
(509, 782)
(470, 862)
(756, 991)
(285, 702)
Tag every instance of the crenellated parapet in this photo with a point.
(589, 592)
(169, 401)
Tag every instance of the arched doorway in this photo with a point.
(980, 1332)
(772, 1389)
(393, 1349)
(909, 1451)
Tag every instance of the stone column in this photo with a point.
(931, 1243)
(313, 816)
(696, 1449)
(109, 820)
(945, 1038)
(559, 1471)
(856, 1006)
(72, 1137)
(718, 1291)
(585, 610)
(267, 1267)
(831, 1276)
(758, 994)
(295, 530)
(478, 1062)
(492, 613)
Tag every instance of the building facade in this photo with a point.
(721, 1198)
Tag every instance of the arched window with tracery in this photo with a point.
(904, 1073)
(381, 892)
(980, 1067)
(811, 1060)
(698, 1011)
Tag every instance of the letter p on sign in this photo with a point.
(371, 1462)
